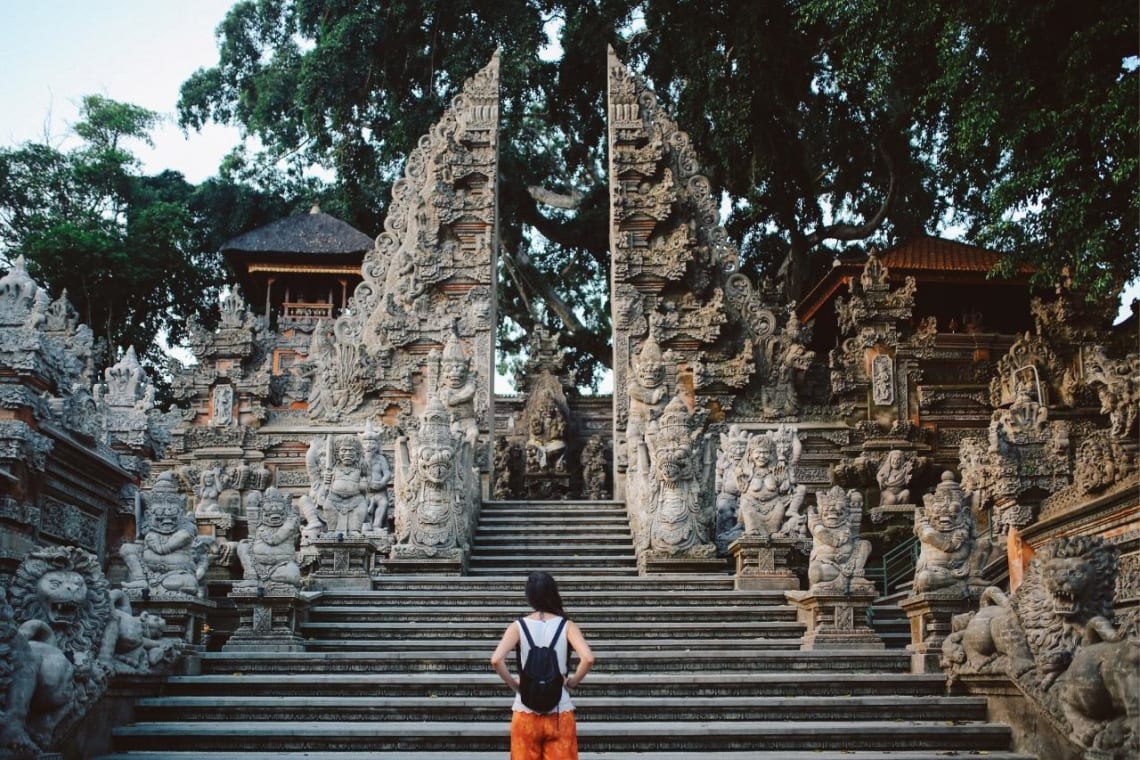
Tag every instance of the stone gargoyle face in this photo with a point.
(833, 513)
(455, 374)
(164, 518)
(435, 464)
(650, 373)
(675, 461)
(274, 517)
(1067, 579)
(62, 594)
(946, 516)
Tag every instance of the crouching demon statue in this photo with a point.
(1056, 637)
(170, 559)
(269, 556)
(838, 555)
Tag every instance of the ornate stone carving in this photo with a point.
(140, 646)
(1117, 382)
(883, 380)
(430, 274)
(269, 557)
(1101, 462)
(595, 469)
(732, 477)
(952, 555)
(379, 476)
(838, 555)
(770, 504)
(673, 514)
(435, 493)
(1055, 635)
(340, 495)
(893, 477)
(169, 559)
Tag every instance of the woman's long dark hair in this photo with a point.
(542, 594)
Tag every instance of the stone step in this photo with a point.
(549, 561)
(568, 522)
(558, 506)
(318, 684)
(495, 569)
(330, 602)
(365, 633)
(529, 541)
(776, 641)
(587, 755)
(642, 736)
(514, 583)
(524, 550)
(731, 659)
(497, 708)
(585, 616)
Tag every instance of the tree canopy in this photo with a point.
(136, 253)
(827, 123)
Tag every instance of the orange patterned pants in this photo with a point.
(553, 736)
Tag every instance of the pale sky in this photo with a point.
(53, 52)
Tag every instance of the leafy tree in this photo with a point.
(136, 253)
(826, 123)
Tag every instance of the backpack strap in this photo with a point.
(526, 632)
(557, 632)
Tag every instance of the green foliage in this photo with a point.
(135, 253)
(826, 122)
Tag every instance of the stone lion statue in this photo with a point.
(61, 602)
(139, 644)
(18, 680)
(1099, 695)
(1035, 633)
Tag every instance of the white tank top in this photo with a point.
(542, 631)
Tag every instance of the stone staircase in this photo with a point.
(687, 668)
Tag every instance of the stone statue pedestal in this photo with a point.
(762, 563)
(547, 486)
(185, 615)
(344, 562)
(881, 514)
(930, 615)
(453, 562)
(268, 618)
(835, 620)
(655, 563)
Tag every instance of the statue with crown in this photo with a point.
(433, 490)
(676, 509)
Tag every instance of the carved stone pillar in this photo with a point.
(764, 563)
(834, 620)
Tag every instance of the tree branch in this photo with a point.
(567, 201)
(858, 232)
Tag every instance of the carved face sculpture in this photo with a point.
(735, 449)
(1067, 579)
(347, 452)
(675, 458)
(435, 464)
(152, 625)
(946, 514)
(799, 357)
(369, 447)
(895, 459)
(274, 513)
(761, 456)
(650, 373)
(62, 594)
(455, 373)
(833, 512)
(165, 517)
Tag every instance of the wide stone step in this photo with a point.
(514, 583)
(528, 550)
(331, 602)
(496, 569)
(587, 755)
(730, 660)
(365, 633)
(601, 647)
(560, 507)
(550, 561)
(642, 736)
(497, 708)
(570, 522)
(584, 615)
(318, 684)
(528, 540)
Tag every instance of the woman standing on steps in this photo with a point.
(552, 735)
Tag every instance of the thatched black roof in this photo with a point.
(313, 233)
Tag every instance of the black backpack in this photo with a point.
(540, 680)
